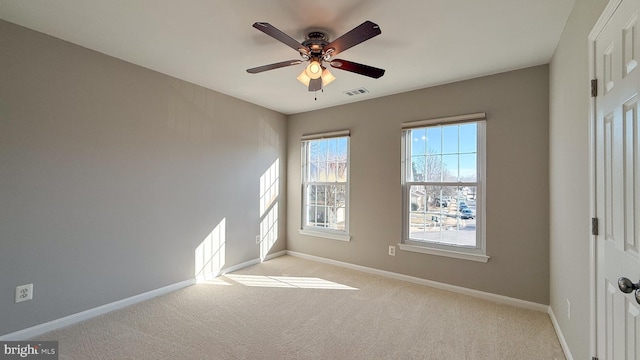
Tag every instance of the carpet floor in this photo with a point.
(292, 308)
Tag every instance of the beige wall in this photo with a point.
(517, 202)
(569, 177)
(112, 175)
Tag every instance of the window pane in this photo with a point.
(468, 168)
(321, 195)
(418, 168)
(418, 209)
(434, 140)
(313, 152)
(312, 172)
(342, 149)
(340, 195)
(316, 216)
(450, 139)
(311, 194)
(341, 218)
(468, 138)
(322, 171)
(450, 168)
(419, 198)
(418, 141)
(322, 150)
(332, 171)
(433, 168)
(342, 171)
(332, 150)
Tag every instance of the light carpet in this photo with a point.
(292, 308)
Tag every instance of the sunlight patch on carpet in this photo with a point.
(214, 281)
(287, 282)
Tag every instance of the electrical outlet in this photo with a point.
(392, 250)
(568, 309)
(257, 239)
(24, 293)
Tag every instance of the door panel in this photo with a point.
(618, 183)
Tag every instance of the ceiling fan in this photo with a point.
(317, 51)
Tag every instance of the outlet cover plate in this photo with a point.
(24, 293)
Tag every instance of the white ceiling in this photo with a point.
(211, 42)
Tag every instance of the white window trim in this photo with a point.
(340, 235)
(326, 234)
(477, 253)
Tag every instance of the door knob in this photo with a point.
(627, 286)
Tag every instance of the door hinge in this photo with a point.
(594, 226)
(594, 87)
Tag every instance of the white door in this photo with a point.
(617, 133)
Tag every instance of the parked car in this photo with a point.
(440, 203)
(466, 214)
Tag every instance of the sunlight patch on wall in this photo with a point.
(269, 186)
(287, 282)
(210, 254)
(269, 191)
(268, 231)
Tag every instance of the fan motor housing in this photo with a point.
(316, 41)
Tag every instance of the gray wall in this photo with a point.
(569, 177)
(112, 175)
(517, 202)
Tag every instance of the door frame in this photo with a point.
(599, 26)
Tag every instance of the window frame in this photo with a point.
(305, 229)
(478, 252)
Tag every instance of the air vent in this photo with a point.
(358, 91)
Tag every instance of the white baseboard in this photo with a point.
(563, 341)
(275, 255)
(438, 285)
(245, 264)
(87, 314)
(100, 310)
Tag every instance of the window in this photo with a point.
(325, 185)
(443, 186)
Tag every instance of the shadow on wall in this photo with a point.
(269, 192)
(210, 254)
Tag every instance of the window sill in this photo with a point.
(326, 235)
(447, 253)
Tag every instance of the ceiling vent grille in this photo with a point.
(358, 91)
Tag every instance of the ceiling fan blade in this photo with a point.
(360, 33)
(361, 69)
(280, 36)
(315, 84)
(277, 65)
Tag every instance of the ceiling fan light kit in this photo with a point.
(314, 70)
(317, 51)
